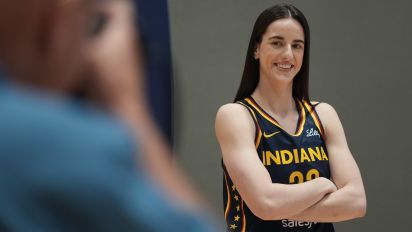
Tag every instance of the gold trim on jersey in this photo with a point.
(273, 121)
(259, 131)
(228, 197)
(315, 117)
(243, 219)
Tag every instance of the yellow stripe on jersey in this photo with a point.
(259, 137)
(270, 119)
(315, 117)
(259, 131)
(243, 219)
(303, 118)
(228, 197)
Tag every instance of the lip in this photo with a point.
(284, 67)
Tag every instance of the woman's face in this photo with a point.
(280, 52)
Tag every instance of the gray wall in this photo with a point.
(360, 54)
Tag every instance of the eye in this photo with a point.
(297, 46)
(277, 43)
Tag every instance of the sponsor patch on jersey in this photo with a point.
(293, 224)
(312, 132)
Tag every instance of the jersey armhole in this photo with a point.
(310, 107)
(258, 131)
(318, 118)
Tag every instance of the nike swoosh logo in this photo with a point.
(270, 135)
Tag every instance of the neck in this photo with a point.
(275, 97)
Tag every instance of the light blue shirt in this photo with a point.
(65, 166)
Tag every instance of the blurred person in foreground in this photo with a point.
(80, 152)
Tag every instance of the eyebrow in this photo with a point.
(281, 38)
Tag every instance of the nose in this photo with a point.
(287, 52)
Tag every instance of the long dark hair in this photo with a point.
(250, 77)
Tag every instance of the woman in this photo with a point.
(287, 165)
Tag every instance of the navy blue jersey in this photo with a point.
(289, 159)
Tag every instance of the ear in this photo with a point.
(256, 53)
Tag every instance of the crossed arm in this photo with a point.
(349, 201)
(316, 200)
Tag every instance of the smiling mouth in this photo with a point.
(284, 67)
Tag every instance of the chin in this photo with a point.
(284, 78)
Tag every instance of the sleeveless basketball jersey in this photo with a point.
(289, 159)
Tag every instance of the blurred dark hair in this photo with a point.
(250, 77)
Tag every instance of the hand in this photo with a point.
(327, 184)
(115, 73)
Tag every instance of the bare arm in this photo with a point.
(349, 201)
(118, 85)
(235, 132)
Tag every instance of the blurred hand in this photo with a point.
(117, 73)
(115, 69)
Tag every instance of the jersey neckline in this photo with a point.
(299, 124)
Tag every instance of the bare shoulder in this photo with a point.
(328, 115)
(233, 117)
(324, 109)
(232, 110)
